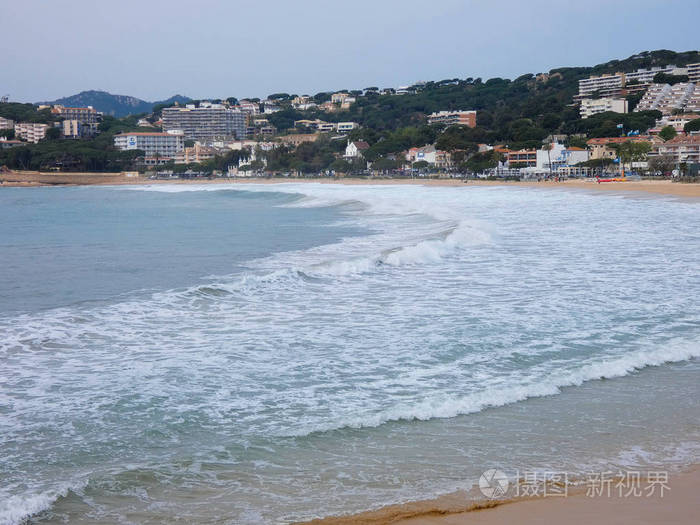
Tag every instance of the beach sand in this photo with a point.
(680, 504)
(658, 187)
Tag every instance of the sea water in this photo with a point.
(271, 353)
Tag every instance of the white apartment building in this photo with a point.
(454, 118)
(6, 123)
(668, 99)
(677, 122)
(30, 131)
(682, 148)
(593, 106)
(347, 127)
(694, 72)
(205, 122)
(164, 145)
(646, 76)
(560, 156)
(605, 85)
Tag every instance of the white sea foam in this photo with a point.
(15, 509)
(451, 303)
(521, 389)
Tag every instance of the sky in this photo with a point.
(152, 49)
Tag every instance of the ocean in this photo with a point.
(258, 353)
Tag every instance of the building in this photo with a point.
(604, 147)
(338, 98)
(694, 72)
(677, 122)
(683, 148)
(248, 107)
(6, 123)
(87, 115)
(603, 85)
(354, 149)
(298, 138)
(669, 99)
(646, 76)
(431, 155)
(153, 144)
(453, 118)
(593, 106)
(6, 144)
(524, 158)
(197, 153)
(30, 131)
(205, 122)
(560, 156)
(347, 127)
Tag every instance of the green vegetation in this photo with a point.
(667, 132)
(693, 125)
(26, 113)
(664, 78)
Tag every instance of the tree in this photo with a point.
(340, 166)
(632, 152)
(9, 134)
(420, 165)
(667, 133)
(693, 125)
(53, 133)
(548, 148)
(663, 164)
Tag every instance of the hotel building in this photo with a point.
(205, 122)
(164, 145)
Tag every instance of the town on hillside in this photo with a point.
(635, 121)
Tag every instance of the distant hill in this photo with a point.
(115, 105)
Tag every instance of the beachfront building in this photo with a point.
(605, 147)
(593, 106)
(683, 149)
(30, 131)
(196, 153)
(560, 156)
(153, 144)
(354, 149)
(453, 118)
(6, 123)
(431, 155)
(524, 158)
(206, 121)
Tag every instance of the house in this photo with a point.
(431, 155)
(354, 149)
(560, 156)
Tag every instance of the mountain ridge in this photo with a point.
(114, 105)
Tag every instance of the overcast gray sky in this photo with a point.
(152, 49)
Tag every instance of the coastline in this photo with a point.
(678, 504)
(657, 187)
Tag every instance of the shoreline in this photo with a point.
(656, 187)
(678, 504)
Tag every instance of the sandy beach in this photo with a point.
(679, 505)
(659, 187)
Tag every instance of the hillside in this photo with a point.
(115, 105)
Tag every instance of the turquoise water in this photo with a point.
(260, 354)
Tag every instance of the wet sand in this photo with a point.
(679, 504)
